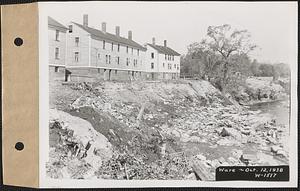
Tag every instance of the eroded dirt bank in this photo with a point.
(156, 130)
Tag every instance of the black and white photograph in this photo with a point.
(183, 91)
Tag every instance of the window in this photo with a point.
(126, 49)
(77, 41)
(152, 65)
(116, 71)
(57, 53)
(70, 28)
(57, 35)
(138, 52)
(76, 57)
(163, 64)
(98, 56)
(169, 66)
(104, 44)
(127, 61)
(108, 59)
(165, 56)
(118, 60)
(118, 47)
(173, 57)
(131, 50)
(152, 55)
(112, 46)
(135, 62)
(174, 66)
(56, 69)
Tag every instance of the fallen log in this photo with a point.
(140, 115)
(201, 171)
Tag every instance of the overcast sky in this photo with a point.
(273, 26)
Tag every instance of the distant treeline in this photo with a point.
(192, 65)
(274, 70)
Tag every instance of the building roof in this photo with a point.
(164, 50)
(56, 24)
(98, 34)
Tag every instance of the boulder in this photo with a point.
(281, 152)
(82, 141)
(245, 132)
(195, 139)
(215, 163)
(275, 149)
(231, 132)
(224, 133)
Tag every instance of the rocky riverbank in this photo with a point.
(263, 89)
(157, 130)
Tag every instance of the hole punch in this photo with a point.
(19, 146)
(18, 41)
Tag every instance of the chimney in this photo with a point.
(117, 30)
(85, 20)
(104, 27)
(165, 43)
(130, 35)
(153, 41)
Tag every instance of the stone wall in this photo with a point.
(97, 74)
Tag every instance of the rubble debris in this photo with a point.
(149, 142)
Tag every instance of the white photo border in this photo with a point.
(96, 183)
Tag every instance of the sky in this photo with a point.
(272, 25)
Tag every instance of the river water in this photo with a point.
(280, 109)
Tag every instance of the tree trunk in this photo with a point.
(224, 80)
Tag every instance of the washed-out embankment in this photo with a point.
(155, 130)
